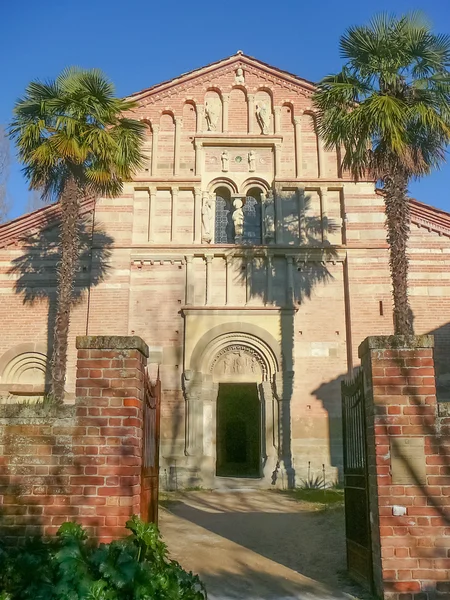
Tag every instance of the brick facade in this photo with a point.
(79, 462)
(410, 510)
(315, 289)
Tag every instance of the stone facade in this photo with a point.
(241, 253)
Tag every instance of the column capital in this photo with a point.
(155, 128)
(297, 120)
(189, 258)
(225, 97)
(277, 109)
(179, 121)
(208, 258)
(323, 190)
(289, 259)
(251, 97)
(197, 191)
(152, 191)
(175, 189)
(198, 143)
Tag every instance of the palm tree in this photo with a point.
(74, 141)
(388, 110)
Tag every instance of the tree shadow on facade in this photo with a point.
(35, 271)
(285, 276)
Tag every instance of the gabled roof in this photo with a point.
(240, 58)
(16, 231)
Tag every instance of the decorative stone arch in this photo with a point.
(253, 182)
(222, 182)
(24, 365)
(254, 340)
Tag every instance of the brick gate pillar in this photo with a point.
(110, 394)
(409, 469)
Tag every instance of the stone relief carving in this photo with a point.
(263, 117)
(212, 111)
(238, 360)
(225, 160)
(239, 76)
(238, 220)
(251, 161)
(269, 218)
(207, 219)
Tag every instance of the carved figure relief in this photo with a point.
(269, 218)
(238, 220)
(238, 361)
(251, 161)
(207, 219)
(239, 76)
(212, 111)
(263, 117)
(225, 160)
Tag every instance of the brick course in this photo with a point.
(80, 462)
(411, 552)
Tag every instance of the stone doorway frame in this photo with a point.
(201, 387)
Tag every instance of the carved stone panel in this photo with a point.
(238, 363)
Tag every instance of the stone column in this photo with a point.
(200, 118)
(225, 107)
(248, 280)
(269, 282)
(176, 157)
(151, 218)
(173, 222)
(298, 146)
(229, 264)
(277, 112)
(208, 300)
(278, 148)
(155, 129)
(251, 112)
(190, 280)
(321, 154)
(198, 158)
(194, 414)
(278, 219)
(290, 280)
(324, 212)
(301, 215)
(197, 216)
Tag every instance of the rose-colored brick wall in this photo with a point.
(79, 462)
(411, 552)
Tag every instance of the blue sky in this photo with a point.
(139, 43)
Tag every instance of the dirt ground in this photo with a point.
(258, 544)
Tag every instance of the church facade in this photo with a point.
(249, 262)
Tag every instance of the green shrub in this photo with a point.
(71, 568)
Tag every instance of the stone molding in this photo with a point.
(395, 342)
(112, 342)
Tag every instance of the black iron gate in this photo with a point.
(357, 520)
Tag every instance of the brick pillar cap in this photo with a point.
(112, 342)
(395, 342)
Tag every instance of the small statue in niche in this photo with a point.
(239, 76)
(207, 219)
(251, 161)
(212, 110)
(263, 117)
(269, 218)
(238, 220)
(225, 160)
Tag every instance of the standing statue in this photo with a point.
(238, 220)
(239, 76)
(225, 160)
(263, 117)
(251, 161)
(212, 111)
(207, 219)
(269, 219)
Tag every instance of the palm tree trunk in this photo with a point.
(66, 273)
(398, 226)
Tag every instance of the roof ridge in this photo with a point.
(238, 56)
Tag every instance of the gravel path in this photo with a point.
(258, 545)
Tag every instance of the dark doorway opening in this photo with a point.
(238, 430)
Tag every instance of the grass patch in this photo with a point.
(333, 496)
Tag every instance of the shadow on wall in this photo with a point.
(35, 270)
(295, 269)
